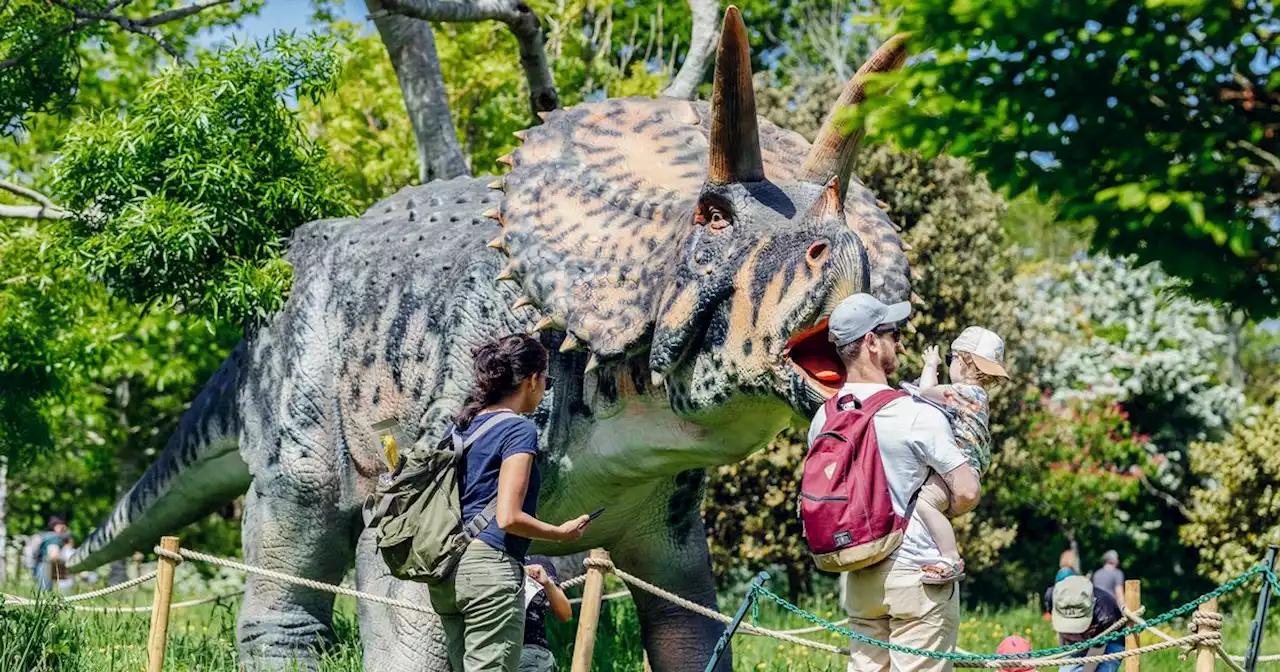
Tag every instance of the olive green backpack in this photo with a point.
(417, 510)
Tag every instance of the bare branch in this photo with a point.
(520, 19)
(702, 44)
(86, 17)
(179, 13)
(45, 210)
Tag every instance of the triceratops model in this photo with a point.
(678, 257)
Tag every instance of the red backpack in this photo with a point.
(845, 506)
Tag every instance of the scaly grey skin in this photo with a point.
(685, 326)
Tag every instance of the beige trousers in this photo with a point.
(889, 602)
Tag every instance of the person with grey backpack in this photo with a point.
(460, 517)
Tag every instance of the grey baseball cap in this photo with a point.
(857, 315)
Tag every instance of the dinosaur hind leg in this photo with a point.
(291, 527)
(396, 639)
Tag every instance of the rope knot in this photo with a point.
(176, 558)
(600, 564)
(1208, 621)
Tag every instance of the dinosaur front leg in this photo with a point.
(294, 529)
(395, 639)
(673, 555)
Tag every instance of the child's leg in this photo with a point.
(933, 501)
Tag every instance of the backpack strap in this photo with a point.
(879, 400)
(481, 520)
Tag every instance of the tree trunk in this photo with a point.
(4, 530)
(412, 48)
(702, 44)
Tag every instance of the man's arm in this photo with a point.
(965, 489)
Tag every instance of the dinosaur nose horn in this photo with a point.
(735, 136)
(832, 153)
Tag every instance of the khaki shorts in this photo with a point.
(889, 602)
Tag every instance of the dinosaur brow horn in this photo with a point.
(735, 137)
(832, 153)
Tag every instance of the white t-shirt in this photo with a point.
(914, 437)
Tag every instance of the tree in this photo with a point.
(1152, 122)
(1233, 515)
(41, 43)
(186, 197)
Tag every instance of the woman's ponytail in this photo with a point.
(499, 366)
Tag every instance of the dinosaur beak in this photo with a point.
(735, 137)
(833, 149)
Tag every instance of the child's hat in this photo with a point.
(986, 348)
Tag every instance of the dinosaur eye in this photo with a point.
(713, 215)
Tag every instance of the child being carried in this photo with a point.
(974, 362)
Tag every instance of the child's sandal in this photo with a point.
(942, 573)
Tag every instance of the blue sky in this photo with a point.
(285, 15)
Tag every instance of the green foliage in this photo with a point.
(50, 58)
(185, 197)
(1233, 515)
(1153, 122)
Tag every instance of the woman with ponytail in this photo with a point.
(482, 604)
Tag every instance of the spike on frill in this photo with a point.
(571, 342)
(498, 184)
(521, 134)
(506, 160)
(496, 244)
(592, 362)
(543, 115)
(492, 213)
(521, 303)
(656, 378)
(508, 273)
(915, 298)
(543, 325)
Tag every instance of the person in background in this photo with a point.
(48, 554)
(1015, 644)
(536, 656)
(1109, 577)
(1081, 612)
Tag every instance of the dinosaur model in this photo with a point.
(678, 258)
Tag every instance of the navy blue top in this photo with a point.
(512, 436)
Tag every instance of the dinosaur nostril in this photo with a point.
(817, 253)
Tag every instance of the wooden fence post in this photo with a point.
(160, 606)
(589, 614)
(1133, 603)
(1205, 655)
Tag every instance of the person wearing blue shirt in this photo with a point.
(481, 606)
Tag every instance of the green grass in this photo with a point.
(49, 638)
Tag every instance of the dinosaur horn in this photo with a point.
(735, 138)
(832, 153)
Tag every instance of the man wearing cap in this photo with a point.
(1082, 611)
(888, 600)
(48, 553)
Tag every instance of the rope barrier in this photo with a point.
(18, 600)
(184, 554)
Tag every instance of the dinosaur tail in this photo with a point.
(199, 470)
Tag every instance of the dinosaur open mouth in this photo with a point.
(814, 355)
